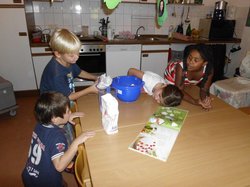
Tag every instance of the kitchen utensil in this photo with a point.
(45, 38)
(180, 27)
(104, 26)
(187, 20)
(174, 13)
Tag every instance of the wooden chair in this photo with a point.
(81, 168)
(81, 163)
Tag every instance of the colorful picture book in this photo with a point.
(160, 132)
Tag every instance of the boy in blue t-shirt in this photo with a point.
(59, 73)
(49, 153)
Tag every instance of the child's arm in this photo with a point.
(204, 91)
(206, 101)
(86, 75)
(62, 162)
(91, 89)
(179, 82)
(135, 72)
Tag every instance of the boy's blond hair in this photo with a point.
(65, 42)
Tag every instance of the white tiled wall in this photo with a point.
(72, 14)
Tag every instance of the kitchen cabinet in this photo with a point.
(148, 1)
(12, 2)
(154, 58)
(139, 1)
(51, 1)
(41, 56)
(119, 58)
(130, 1)
(16, 62)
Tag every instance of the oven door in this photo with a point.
(94, 62)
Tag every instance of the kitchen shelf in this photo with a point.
(186, 4)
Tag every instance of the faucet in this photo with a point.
(136, 34)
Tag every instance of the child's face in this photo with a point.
(195, 62)
(68, 58)
(62, 121)
(157, 95)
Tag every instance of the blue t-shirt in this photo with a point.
(58, 78)
(47, 143)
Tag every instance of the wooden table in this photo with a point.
(212, 149)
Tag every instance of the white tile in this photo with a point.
(85, 19)
(127, 19)
(49, 19)
(57, 8)
(36, 7)
(94, 21)
(77, 20)
(67, 19)
(39, 18)
(127, 8)
(77, 29)
(119, 20)
(67, 6)
(58, 19)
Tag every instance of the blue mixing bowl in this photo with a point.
(128, 88)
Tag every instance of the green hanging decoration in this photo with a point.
(162, 13)
(111, 4)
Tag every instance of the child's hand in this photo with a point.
(75, 115)
(206, 103)
(84, 136)
(93, 88)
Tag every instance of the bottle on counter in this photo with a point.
(109, 33)
(189, 31)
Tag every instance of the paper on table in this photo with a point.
(158, 136)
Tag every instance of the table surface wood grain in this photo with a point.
(212, 149)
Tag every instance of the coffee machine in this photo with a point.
(220, 10)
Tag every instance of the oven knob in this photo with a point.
(90, 49)
(97, 49)
(101, 49)
(93, 49)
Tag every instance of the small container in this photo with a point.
(45, 38)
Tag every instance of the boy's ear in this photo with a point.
(54, 120)
(57, 54)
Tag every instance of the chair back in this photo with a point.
(81, 168)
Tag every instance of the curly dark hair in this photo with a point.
(171, 95)
(206, 54)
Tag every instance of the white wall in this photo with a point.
(129, 16)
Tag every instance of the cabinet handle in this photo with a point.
(22, 33)
(17, 1)
(144, 55)
(47, 49)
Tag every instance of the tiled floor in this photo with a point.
(15, 135)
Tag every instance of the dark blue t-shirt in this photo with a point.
(47, 143)
(58, 78)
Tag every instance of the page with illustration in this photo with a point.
(160, 133)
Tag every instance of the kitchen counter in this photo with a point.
(157, 39)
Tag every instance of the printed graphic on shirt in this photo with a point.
(71, 82)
